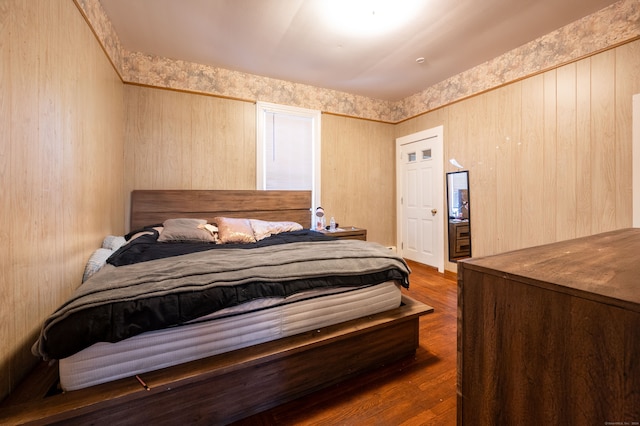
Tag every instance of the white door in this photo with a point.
(420, 212)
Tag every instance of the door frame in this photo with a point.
(437, 134)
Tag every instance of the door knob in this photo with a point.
(434, 211)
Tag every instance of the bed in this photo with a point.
(356, 326)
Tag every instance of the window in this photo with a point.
(288, 149)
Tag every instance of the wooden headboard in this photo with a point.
(150, 207)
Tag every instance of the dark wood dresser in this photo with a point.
(551, 334)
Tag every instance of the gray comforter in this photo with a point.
(111, 305)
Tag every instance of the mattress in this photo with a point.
(224, 331)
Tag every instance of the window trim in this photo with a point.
(265, 107)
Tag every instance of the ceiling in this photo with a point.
(299, 41)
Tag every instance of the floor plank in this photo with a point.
(420, 390)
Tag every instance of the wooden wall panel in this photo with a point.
(584, 202)
(179, 140)
(532, 160)
(186, 141)
(455, 132)
(61, 164)
(548, 172)
(603, 148)
(358, 175)
(139, 159)
(6, 323)
(483, 139)
(534, 149)
(506, 112)
(172, 149)
(204, 131)
(23, 187)
(548, 156)
(566, 150)
(627, 60)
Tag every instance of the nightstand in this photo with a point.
(347, 233)
(459, 239)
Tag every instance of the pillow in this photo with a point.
(233, 230)
(263, 229)
(138, 232)
(186, 230)
(96, 261)
(148, 231)
(113, 242)
(213, 229)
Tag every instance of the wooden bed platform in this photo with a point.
(226, 387)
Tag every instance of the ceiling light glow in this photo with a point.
(367, 17)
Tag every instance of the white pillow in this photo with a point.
(113, 242)
(96, 261)
(263, 229)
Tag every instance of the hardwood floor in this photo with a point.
(420, 390)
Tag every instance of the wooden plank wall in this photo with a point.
(188, 141)
(61, 132)
(358, 175)
(549, 156)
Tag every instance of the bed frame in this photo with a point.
(154, 206)
(226, 387)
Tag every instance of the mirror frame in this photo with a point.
(453, 223)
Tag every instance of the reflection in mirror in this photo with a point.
(459, 215)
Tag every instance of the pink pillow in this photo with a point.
(234, 230)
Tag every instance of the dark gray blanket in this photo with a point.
(119, 302)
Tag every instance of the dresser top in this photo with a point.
(604, 266)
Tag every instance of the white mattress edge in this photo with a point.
(105, 362)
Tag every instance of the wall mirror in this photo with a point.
(459, 217)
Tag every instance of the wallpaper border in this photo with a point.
(609, 27)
